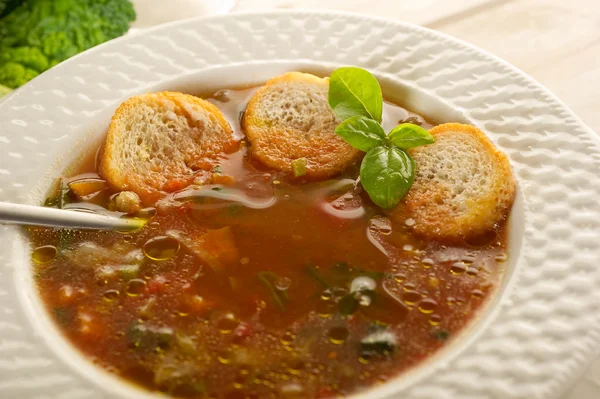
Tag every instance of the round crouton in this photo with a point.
(463, 185)
(157, 141)
(289, 118)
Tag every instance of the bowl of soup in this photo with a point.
(305, 236)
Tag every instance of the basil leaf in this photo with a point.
(354, 91)
(387, 173)
(408, 135)
(361, 132)
(279, 297)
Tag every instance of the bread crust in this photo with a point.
(156, 143)
(289, 118)
(439, 206)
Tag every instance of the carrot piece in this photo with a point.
(196, 304)
(176, 184)
(217, 248)
(222, 179)
(86, 187)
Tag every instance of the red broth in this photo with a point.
(261, 287)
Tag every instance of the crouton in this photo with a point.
(157, 141)
(463, 185)
(289, 119)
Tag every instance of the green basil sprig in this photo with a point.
(387, 170)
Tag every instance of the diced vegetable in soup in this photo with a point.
(252, 281)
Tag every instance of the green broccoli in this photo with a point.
(7, 6)
(38, 34)
(4, 91)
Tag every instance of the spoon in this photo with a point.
(31, 215)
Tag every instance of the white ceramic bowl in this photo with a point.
(534, 338)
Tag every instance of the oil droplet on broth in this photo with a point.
(148, 274)
(435, 319)
(287, 338)
(411, 297)
(458, 268)
(257, 380)
(409, 287)
(227, 324)
(161, 248)
(224, 357)
(468, 261)
(283, 283)
(338, 293)
(239, 381)
(44, 254)
(427, 263)
(295, 367)
(153, 225)
(471, 271)
(381, 225)
(427, 306)
(135, 287)
(326, 295)
(111, 295)
(325, 308)
(477, 293)
(337, 335)
(501, 257)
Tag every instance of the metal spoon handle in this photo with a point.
(50, 217)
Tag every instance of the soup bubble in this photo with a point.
(44, 254)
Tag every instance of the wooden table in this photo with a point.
(557, 42)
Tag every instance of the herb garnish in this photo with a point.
(279, 296)
(440, 335)
(61, 315)
(387, 171)
(315, 274)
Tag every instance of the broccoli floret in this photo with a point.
(14, 75)
(4, 90)
(7, 6)
(29, 57)
(39, 34)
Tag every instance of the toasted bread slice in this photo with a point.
(290, 118)
(157, 141)
(463, 184)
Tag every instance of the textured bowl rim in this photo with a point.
(561, 376)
